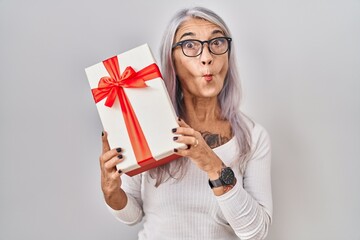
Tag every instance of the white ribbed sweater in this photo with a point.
(188, 209)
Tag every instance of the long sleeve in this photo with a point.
(248, 206)
(186, 208)
(133, 212)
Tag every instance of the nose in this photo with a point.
(206, 57)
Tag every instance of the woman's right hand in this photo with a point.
(115, 197)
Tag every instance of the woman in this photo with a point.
(220, 188)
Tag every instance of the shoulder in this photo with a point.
(260, 139)
(259, 133)
(256, 130)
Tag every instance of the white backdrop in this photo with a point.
(299, 63)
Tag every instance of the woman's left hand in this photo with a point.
(198, 150)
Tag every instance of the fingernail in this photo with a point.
(120, 171)
(175, 150)
(102, 133)
(173, 130)
(120, 156)
(118, 150)
(175, 138)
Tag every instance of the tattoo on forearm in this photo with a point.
(214, 140)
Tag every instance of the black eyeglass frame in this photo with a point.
(228, 39)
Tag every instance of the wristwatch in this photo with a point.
(227, 178)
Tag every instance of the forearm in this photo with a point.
(125, 204)
(130, 214)
(117, 199)
(247, 217)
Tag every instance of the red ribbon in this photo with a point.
(112, 86)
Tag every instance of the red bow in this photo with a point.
(112, 86)
(109, 86)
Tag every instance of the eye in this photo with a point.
(218, 42)
(189, 44)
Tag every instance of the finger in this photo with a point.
(182, 123)
(182, 152)
(110, 154)
(183, 128)
(110, 165)
(117, 174)
(188, 140)
(187, 131)
(105, 142)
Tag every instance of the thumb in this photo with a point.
(105, 143)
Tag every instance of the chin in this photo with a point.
(209, 95)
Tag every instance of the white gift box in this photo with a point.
(152, 108)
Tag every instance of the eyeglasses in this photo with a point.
(193, 47)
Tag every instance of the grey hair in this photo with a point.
(229, 97)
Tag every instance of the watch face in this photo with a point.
(227, 176)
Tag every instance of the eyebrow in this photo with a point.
(187, 34)
(216, 31)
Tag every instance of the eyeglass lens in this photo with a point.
(194, 48)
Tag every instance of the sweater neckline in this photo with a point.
(226, 145)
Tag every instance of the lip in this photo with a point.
(208, 77)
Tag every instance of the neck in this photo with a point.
(199, 111)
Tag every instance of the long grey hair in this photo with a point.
(229, 97)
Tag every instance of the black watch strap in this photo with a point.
(215, 183)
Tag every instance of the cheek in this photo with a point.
(184, 68)
(223, 72)
(224, 68)
(178, 63)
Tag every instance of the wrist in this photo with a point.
(117, 200)
(225, 181)
(215, 170)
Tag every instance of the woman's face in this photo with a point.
(204, 75)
